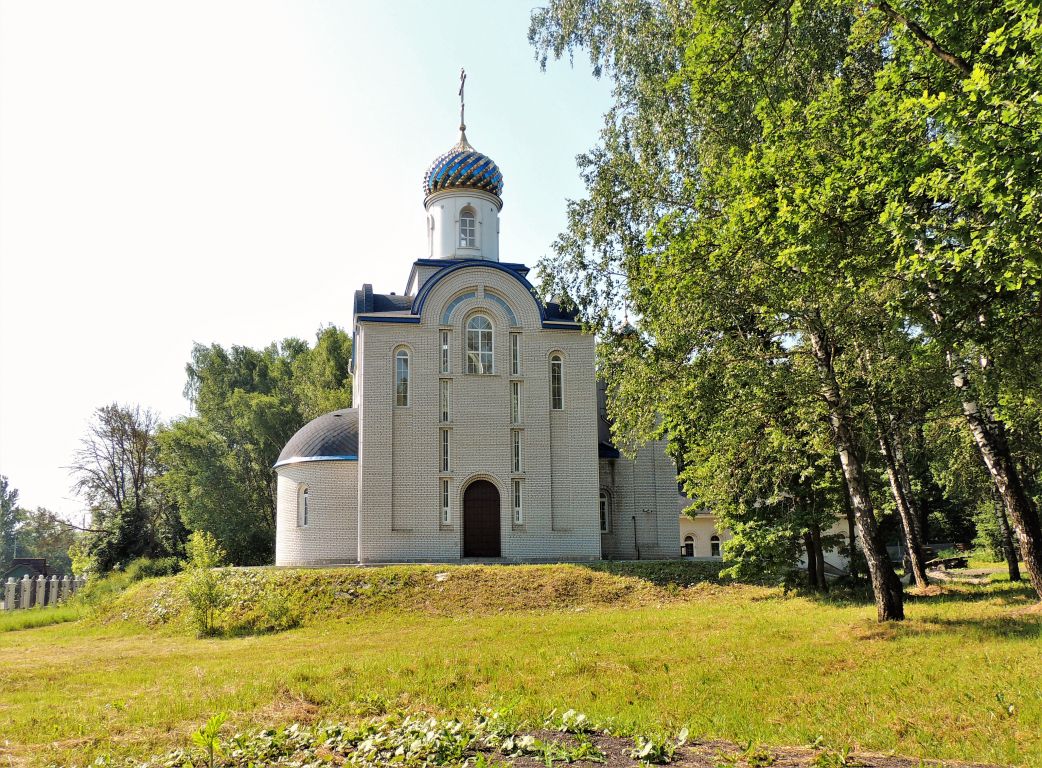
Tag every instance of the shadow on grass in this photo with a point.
(663, 573)
(851, 593)
(1012, 596)
(1010, 628)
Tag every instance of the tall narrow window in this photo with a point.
(305, 511)
(444, 397)
(445, 352)
(556, 383)
(401, 378)
(605, 511)
(518, 458)
(479, 345)
(714, 545)
(467, 229)
(446, 515)
(518, 513)
(445, 450)
(515, 402)
(515, 354)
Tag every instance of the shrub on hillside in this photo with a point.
(101, 588)
(204, 588)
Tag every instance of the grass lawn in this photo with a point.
(960, 679)
(39, 617)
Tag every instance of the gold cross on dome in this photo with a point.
(462, 83)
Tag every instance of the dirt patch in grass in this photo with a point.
(617, 753)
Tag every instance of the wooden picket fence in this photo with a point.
(28, 592)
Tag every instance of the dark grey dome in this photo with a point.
(330, 437)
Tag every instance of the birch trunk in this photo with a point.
(886, 587)
(990, 437)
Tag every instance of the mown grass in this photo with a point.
(39, 617)
(960, 679)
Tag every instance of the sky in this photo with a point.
(230, 172)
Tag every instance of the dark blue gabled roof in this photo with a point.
(407, 309)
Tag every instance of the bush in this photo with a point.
(147, 568)
(99, 589)
(276, 611)
(204, 588)
(989, 537)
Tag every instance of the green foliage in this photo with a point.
(116, 471)
(248, 404)
(100, 590)
(657, 749)
(814, 213)
(41, 533)
(841, 758)
(753, 756)
(38, 533)
(208, 737)
(989, 538)
(204, 588)
(10, 517)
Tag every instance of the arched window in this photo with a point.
(605, 511)
(479, 345)
(303, 507)
(714, 546)
(468, 229)
(401, 377)
(556, 383)
(689, 546)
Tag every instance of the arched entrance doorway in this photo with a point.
(481, 520)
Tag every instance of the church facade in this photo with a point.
(477, 427)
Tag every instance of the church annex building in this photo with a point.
(477, 427)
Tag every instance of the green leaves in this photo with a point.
(208, 737)
(249, 403)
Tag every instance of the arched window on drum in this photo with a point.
(468, 229)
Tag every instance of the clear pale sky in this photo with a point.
(230, 172)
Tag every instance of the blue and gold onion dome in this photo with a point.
(463, 167)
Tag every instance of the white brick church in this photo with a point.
(477, 428)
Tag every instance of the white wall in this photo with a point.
(443, 211)
(399, 446)
(331, 533)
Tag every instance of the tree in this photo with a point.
(812, 160)
(248, 403)
(115, 471)
(42, 533)
(688, 214)
(10, 518)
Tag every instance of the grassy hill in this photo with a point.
(634, 648)
(260, 595)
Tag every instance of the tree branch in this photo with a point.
(920, 34)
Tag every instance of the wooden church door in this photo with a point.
(481, 520)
